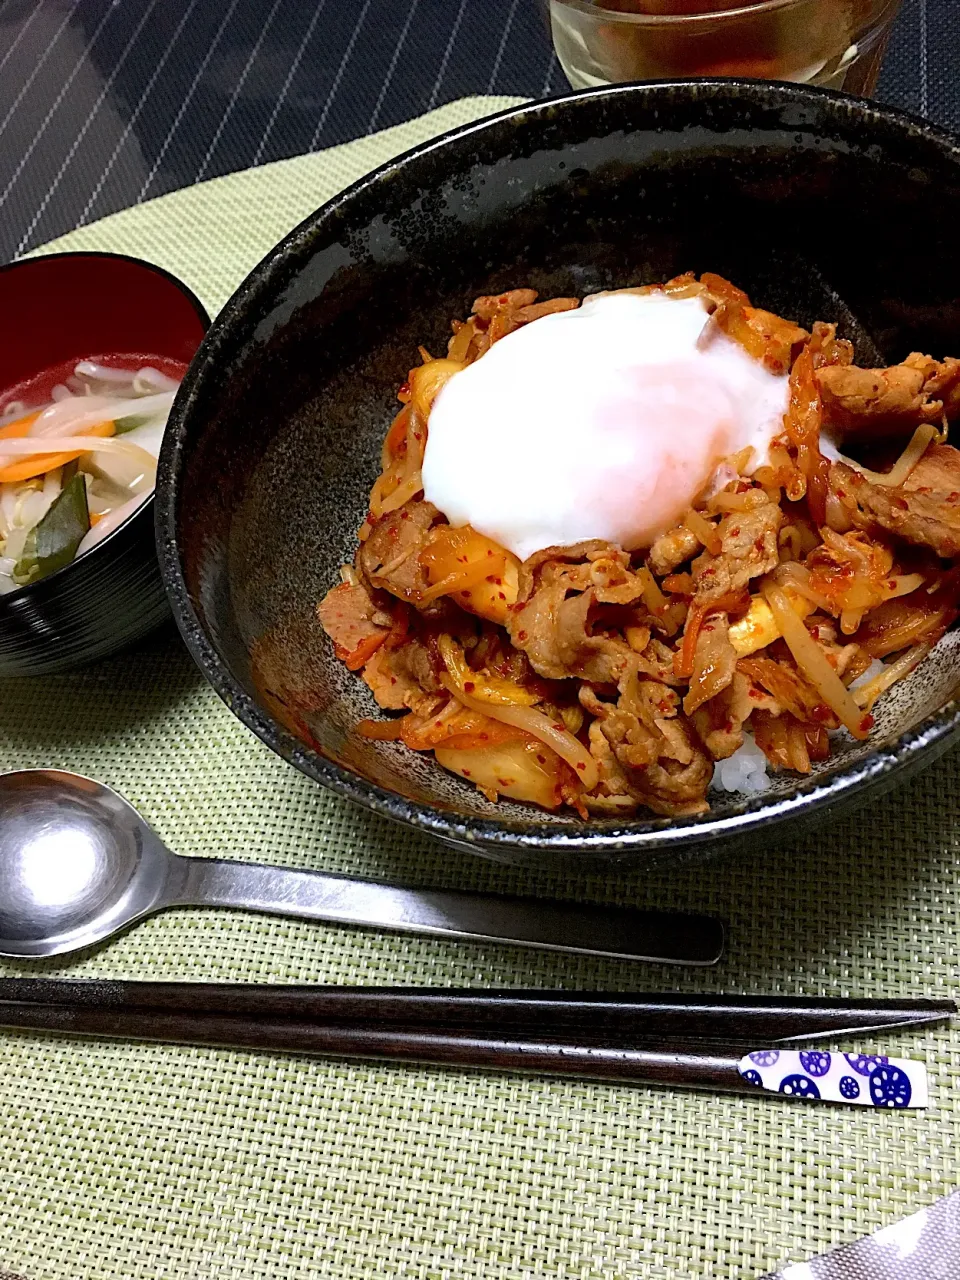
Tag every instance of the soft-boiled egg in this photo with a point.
(603, 422)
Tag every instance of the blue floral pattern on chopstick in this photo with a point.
(866, 1080)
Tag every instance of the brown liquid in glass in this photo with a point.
(780, 43)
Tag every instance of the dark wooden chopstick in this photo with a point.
(681, 1064)
(612, 1018)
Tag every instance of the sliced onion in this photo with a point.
(16, 541)
(704, 530)
(796, 577)
(922, 437)
(80, 411)
(539, 726)
(485, 689)
(904, 584)
(104, 373)
(150, 379)
(112, 520)
(471, 575)
(36, 504)
(402, 494)
(865, 695)
(812, 661)
(8, 506)
(28, 447)
(149, 435)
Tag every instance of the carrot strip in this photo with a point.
(362, 653)
(39, 464)
(395, 436)
(19, 427)
(683, 660)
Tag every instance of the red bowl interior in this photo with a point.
(74, 306)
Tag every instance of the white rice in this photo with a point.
(745, 770)
(875, 668)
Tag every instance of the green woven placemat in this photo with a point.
(149, 1161)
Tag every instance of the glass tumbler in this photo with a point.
(836, 43)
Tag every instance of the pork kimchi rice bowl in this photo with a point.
(628, 550)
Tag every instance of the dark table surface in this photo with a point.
(105, 103)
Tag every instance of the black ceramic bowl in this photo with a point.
(67, 307)
(821, 206)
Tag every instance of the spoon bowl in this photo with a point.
(78, 864)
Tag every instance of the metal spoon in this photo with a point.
(78, 864)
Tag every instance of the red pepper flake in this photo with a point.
(541, 759)
(484, 736)
(521, 635)
(581, 766)
(489, 552)
(728, 727)
(404, 389)
(867, 723)
(952, 497)
(735, 533)
(755, 693)
(821, 712)
(561, 726)
(468, 686)
(504, 782)
(841, 493)
(466, 773)
(404, 515)
(891, 582)
(501, 595)
(759, 544)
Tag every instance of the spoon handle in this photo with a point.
(449, 913)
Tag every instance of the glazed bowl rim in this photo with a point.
(259, 290)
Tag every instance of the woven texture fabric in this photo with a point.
(142, 1161)
(927, 1244)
